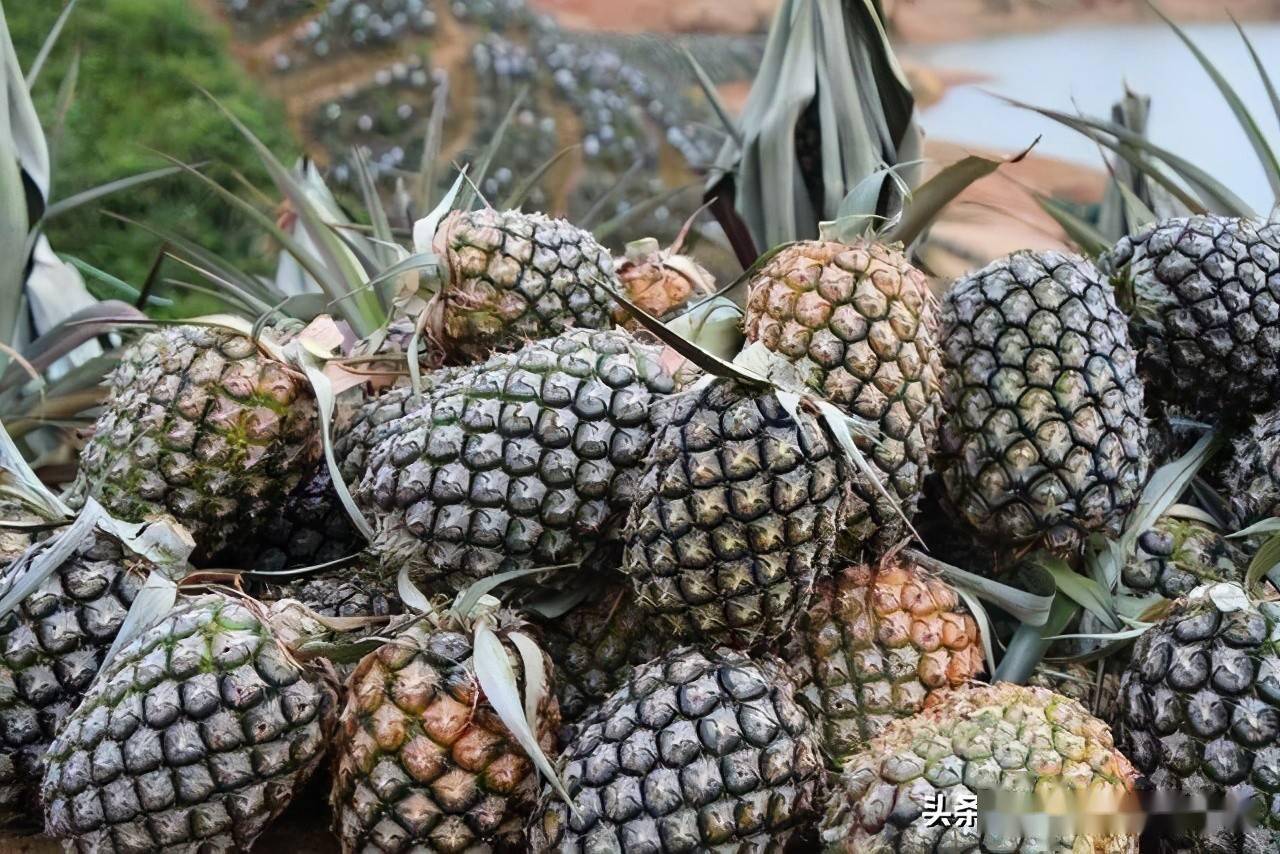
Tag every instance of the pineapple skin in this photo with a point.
(1000, 738)
(861, 325)
(877, 640)
(422, 761)
(1251, 476)
(200, 425)
(529, 460)
(736, 515)
(197, 736)
(51, 646)
(1199, 713)
(1206, 319)
(1045, 438)
(701, 750)
(516, 277)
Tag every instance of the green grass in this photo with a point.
(141, 62)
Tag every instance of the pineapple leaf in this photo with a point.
(383, 240)
(14, 217)
(466, 602)
(985, 632)
(1090, 240)
(498, 681)
(432, 143)
(25, 575)
(1087, 592)
(51, 39)
(1028, 607)
(1266, 156)
(535, 675)
(153, 601)
(1265, 560)
(1266, 526)
(604, 231)
(424, 230)
(939, 191)
(84, 325)
(325, 401)
(1136, 211)
(14, 467)
(519, 193)
(472, 193)
(590, 219)
(1028, 646)
(410, 594)
(714, 324)
(712, 94)
(1262, 69)
(70, 203)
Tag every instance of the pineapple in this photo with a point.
(1081, 683)
(662, 282)
(736, 514)
(51, 646)
(859, 322)
(996, 740)
(527, 461)
(873, 645)
(200, 424)
(513, 277)
(597, 644)
(1199, 712)
(1175, 556)
(699, 751)
(423, 762)
(1251, 476)
(1205, 294)
(197, 734)
(310, 527)
(1045, 440)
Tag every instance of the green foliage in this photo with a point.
(141, 62)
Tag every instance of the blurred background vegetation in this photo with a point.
(136, 96)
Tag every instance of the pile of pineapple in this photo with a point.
(601, 590)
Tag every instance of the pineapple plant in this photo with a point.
(998, 740)
(700, 750)
(1045, 440)
(423, 762)
(203, 424)
(195, 736)
(511, 277)
(1204, 299)
(1199, 713)
(527, 461)
(859, 321)
(876, 641)
(736, 514)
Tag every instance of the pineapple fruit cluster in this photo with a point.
(718, 631)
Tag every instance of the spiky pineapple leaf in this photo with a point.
(1264, 561)
(712, 94)
(1087, 592)
(424, 230)
(1136, 211)
(1266, 155)
(465, 605)
(1266, 526)
(13, 196)
(153, 601)
(46, 47)
(1028, 645)
(47, 557)
(410, 594)
(1090, 240)
(535, 675)
(1262, 69)
(1026, 606)
(520, 192)
(424, 180)
(471, 194)
(498, 681)
(985, 632)
(928, 200)
(1134, 148)
(93, 194)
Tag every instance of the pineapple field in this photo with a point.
(565, 441)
